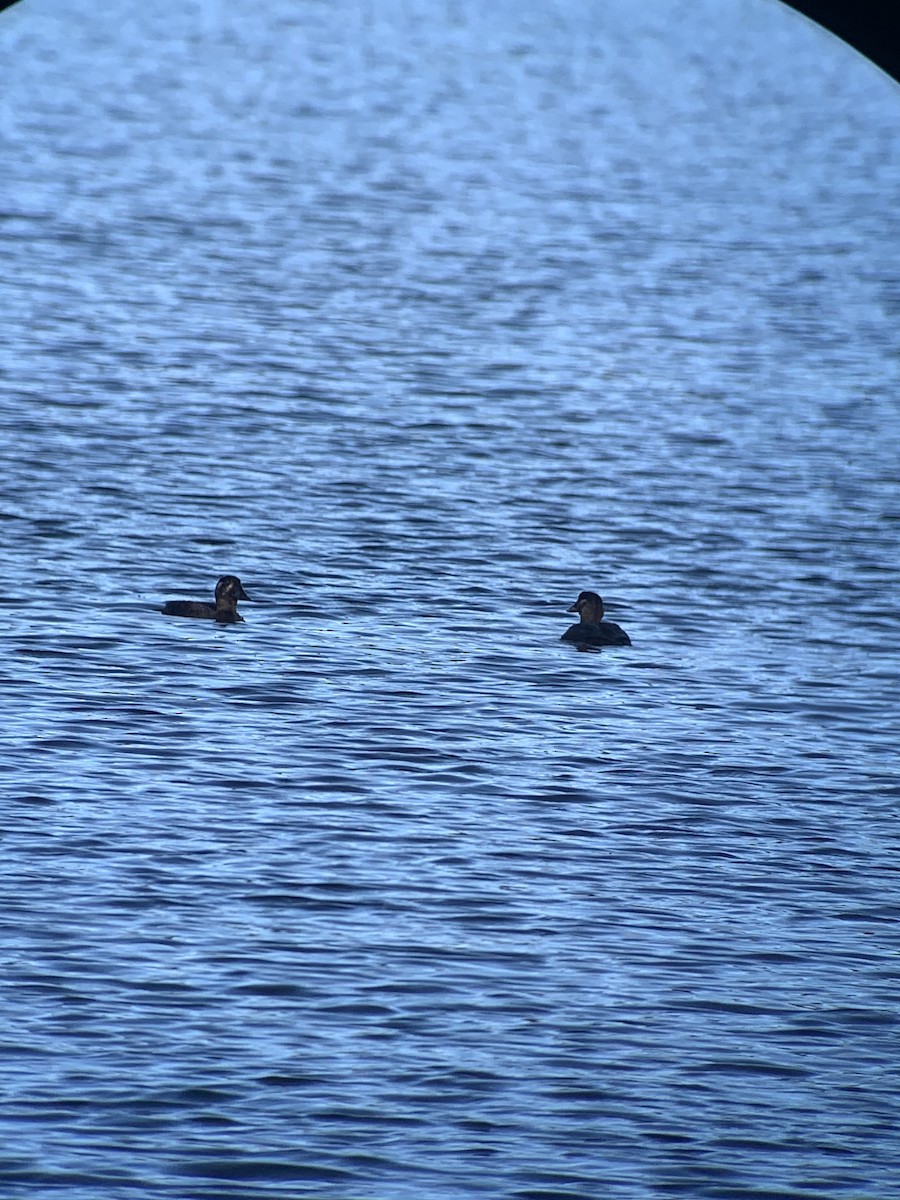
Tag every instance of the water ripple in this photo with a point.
(422, 321)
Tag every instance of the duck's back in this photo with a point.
(600, 633)
(188, 608)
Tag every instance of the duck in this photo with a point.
(592, 630)
(228, 591)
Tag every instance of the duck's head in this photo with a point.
(229, 588)
(589, 607)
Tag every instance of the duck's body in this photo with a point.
(592, 630)
(228, 592)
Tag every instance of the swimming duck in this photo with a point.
(228, 592)
(592, 630)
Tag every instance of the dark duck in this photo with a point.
(592, 630)
(228, 592)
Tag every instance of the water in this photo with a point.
(422, 317)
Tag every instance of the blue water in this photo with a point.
(422, 317)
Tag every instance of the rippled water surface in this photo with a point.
(421, 317)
